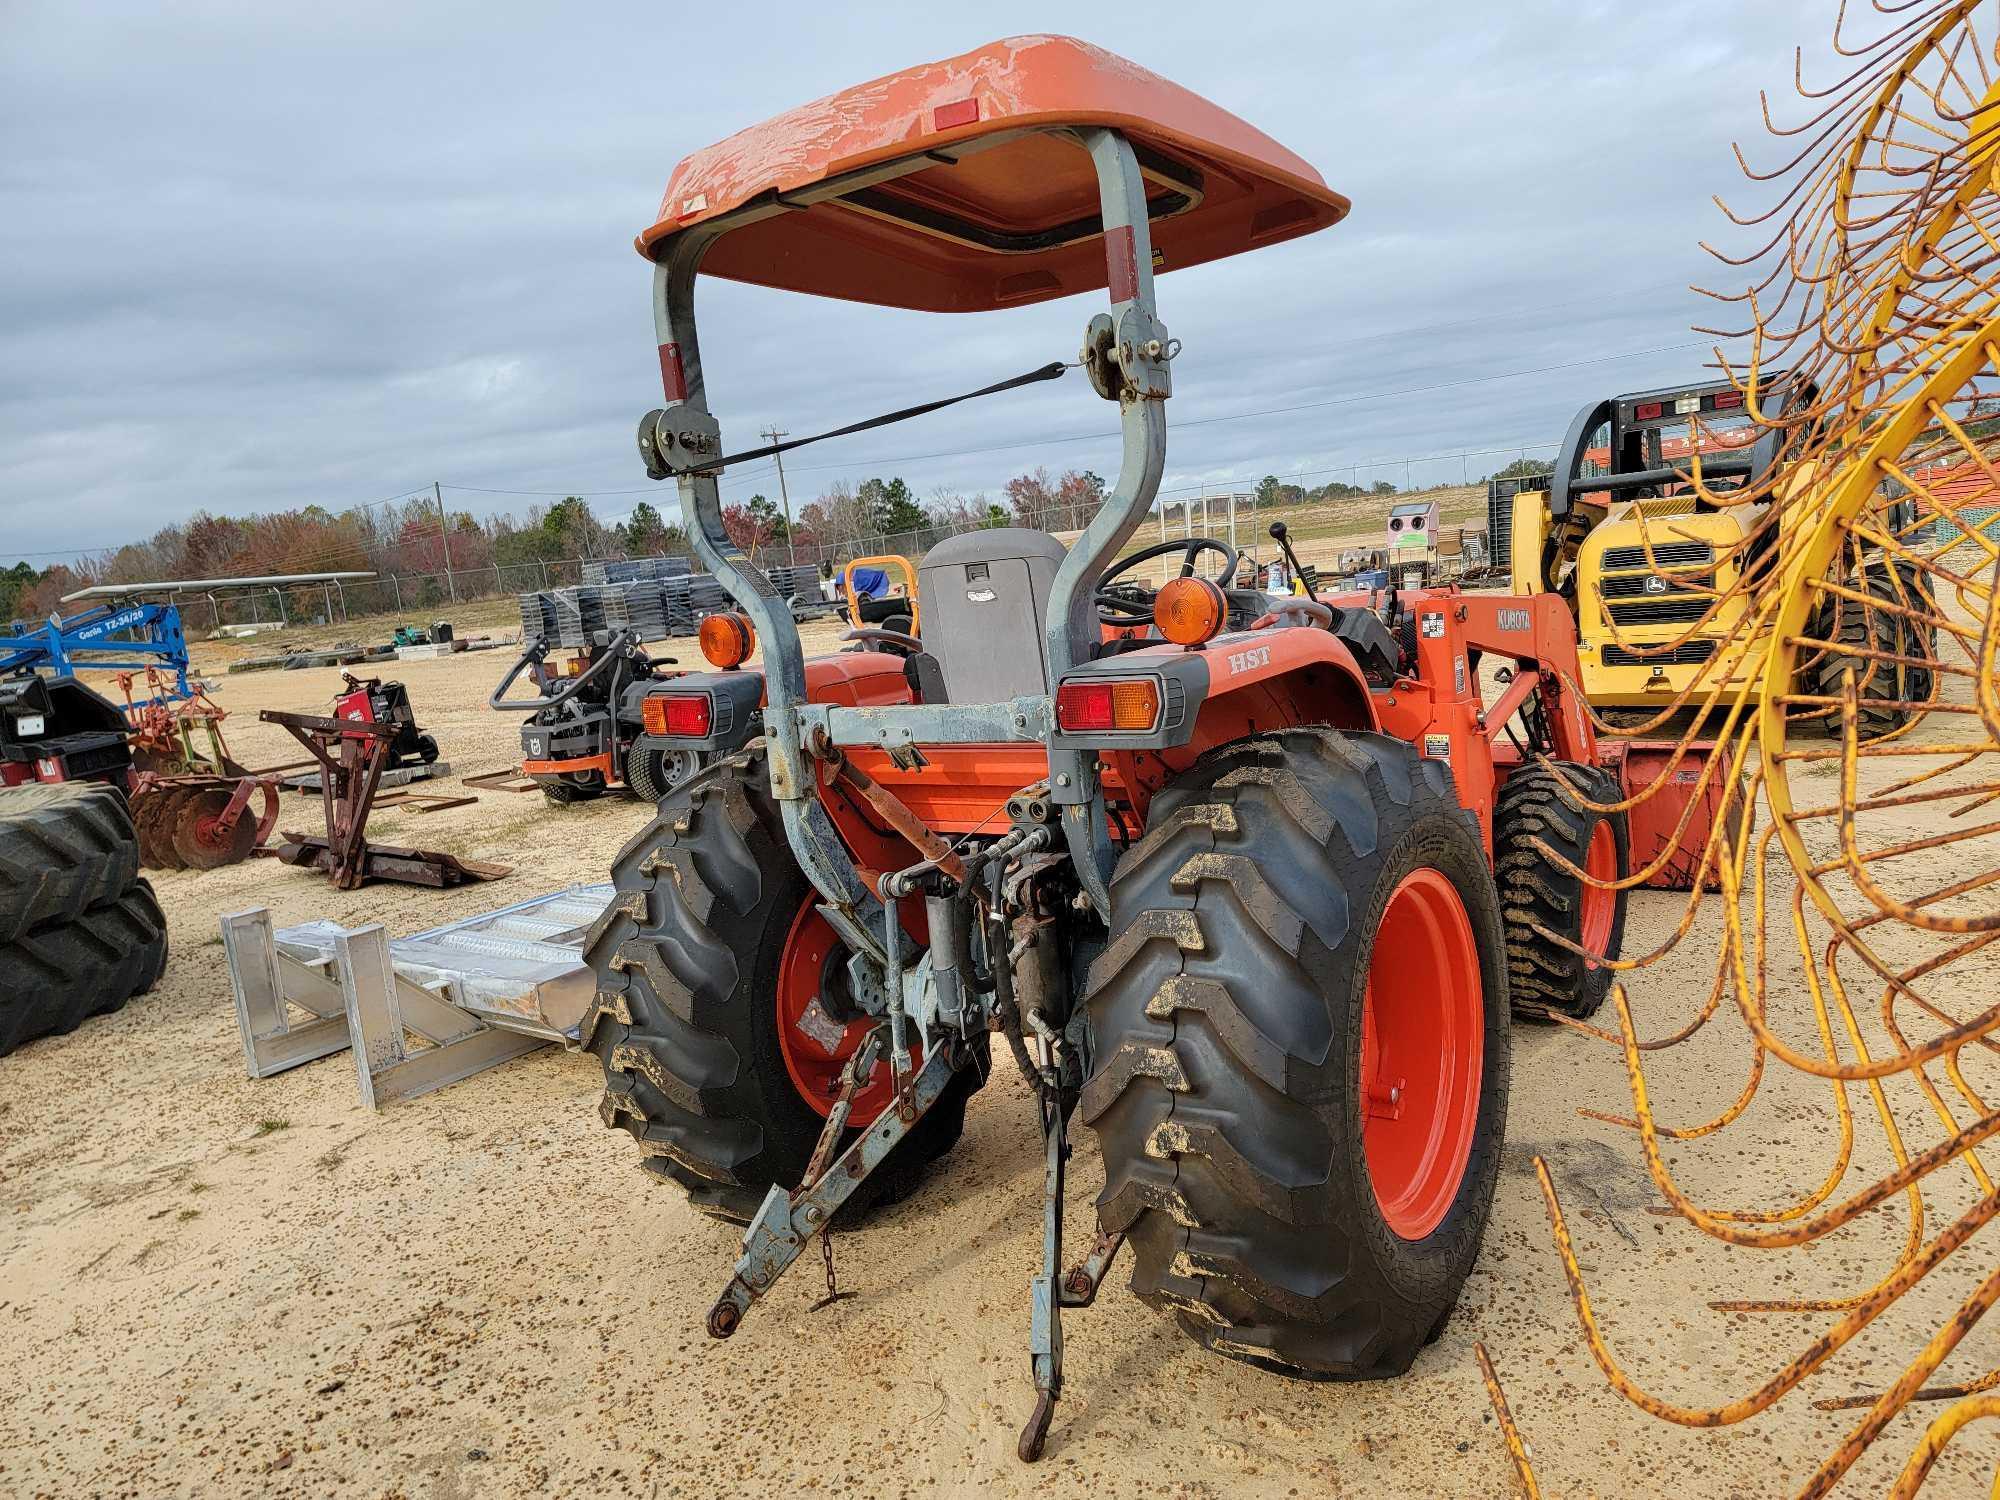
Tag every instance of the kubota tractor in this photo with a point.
(1217, 869)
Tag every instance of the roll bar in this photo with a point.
(1127, 352)
(536, 651)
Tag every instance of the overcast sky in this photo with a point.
(261, 256)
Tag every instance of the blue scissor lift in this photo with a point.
(115, 636)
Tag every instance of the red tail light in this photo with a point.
(682, 715)
(1646, 411)
(1726, 401)
(1131, 706)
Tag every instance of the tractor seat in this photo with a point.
(985, 596)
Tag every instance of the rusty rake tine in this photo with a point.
(1517, 1448)
(1815, 1354)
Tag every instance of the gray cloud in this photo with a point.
(261, 256)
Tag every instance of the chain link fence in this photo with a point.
(1238, 517)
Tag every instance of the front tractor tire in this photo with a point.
(1536, 893)
(1889, 689)
(1299, 1055)
(707, 963)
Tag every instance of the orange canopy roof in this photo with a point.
(1002, 215)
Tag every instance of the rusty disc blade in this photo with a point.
(199, 838)
(159, 835)
(146, 811)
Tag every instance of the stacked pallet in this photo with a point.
(640, 607)
(637, 570)
(652, 608)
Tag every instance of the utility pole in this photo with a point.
(444, 535)
(784, 497)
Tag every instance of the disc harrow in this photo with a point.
(201, 822)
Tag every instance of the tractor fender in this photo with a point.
(1272, 678)
(1297, 674)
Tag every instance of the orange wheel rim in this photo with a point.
(815, 1045)
(1423, 1049)
(1600, 902)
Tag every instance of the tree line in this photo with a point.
(412, 539)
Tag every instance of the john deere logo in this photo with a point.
(1656, 584)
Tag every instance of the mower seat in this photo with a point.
(985, 595)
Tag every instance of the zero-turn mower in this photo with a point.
(589, 729)
(1246, 881)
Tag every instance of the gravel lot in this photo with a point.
(215, 1286)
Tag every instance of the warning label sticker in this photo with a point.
(1437, 746)
(1432, 625)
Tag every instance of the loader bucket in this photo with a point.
(1638, 765)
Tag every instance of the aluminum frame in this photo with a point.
(476, 992)
(1130, 340)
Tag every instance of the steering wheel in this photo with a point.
(1115, 609)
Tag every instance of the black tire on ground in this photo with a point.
(427, 749)
(1227, 1052)
(1541, 975)
(62, 973)
(1857, 625)
(654, 767)
(686, 1021)
(63, 847)
(564, 791)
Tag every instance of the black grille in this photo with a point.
(1658, 609)
(1677, 586)
(1686, 654)
(1664, 553)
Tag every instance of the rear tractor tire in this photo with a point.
(1299, 1060)
(721, 1019)
(1535, 892)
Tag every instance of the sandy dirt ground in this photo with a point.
(213, 1286)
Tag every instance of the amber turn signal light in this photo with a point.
(1189, 611)
(727, 639)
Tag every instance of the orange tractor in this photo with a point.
(1247, 881)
